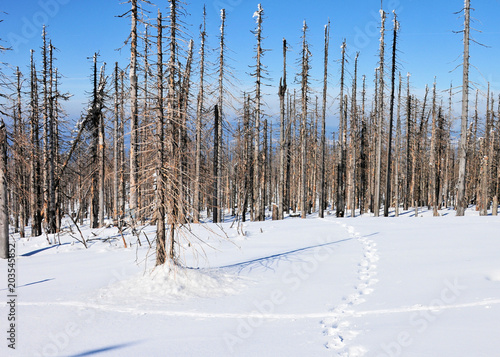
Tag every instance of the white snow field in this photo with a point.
(364, 286)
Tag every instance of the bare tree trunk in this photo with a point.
(199, 123)
(134, 119)
(36, 190)
(322, 185)
(94, 128)
(407, 202)
(172, 185)
(161, 252)
(121, 149)
(354, 133)
(397, 152)
(462, 153)
(341, 174)
(388, 197)
(485, 162)
(303, 146)
(51, 211)
(20, 189)
(247, 160)
(258, 174)
(433, 171)
(216, 203)
(102, 150)
(380, 118)
(183, 139)
(116, 152)
(4, 207)
(363, 165)
(282, 93)
(45, 159)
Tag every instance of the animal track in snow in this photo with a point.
(337, 328)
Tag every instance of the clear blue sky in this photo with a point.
(428, 47)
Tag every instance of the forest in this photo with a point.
(164, 143)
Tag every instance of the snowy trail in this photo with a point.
(275, 316)
(336, 325)
(319, 287)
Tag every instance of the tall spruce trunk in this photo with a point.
(397, 153)
(462, 147)
(322, 184)
(363, 165)
(52, 131)
(485, 162)
(20, 195)
(303, 124)
(199, 123)
(172, 186)
(116, 141)
(4, 207)
(36, 189)
(45, 138)
(216, 203)
(354, 133)
(219, 118)
(134, 119)
(408, 160)
(341, 169)
(380, 117)
(94, 127)
(433, 171)
(161, 252)
(388, 197)
(281, 94)
(258, 160)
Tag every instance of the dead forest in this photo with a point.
(164, 140)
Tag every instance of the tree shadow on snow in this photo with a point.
(106, 349)
(268, 262)
(29, 254)
(33, 283)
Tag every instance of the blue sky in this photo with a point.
(428, 47)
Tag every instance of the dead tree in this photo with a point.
(218, 127)
(19, 206)
(433, 157)
(172, 185)
(185, 83)
(95, 124)
(322, 185)
(134, 111)
(116, 142)
(391, 119)
(36, 189)
(259, 198)
(380, 116)
(303, 123)
(487, 152)
(462, 147)
(363, 153)
(408, 160)
(354, 133)
(341, 165)
(4, 207)
(281, 93)
(397, 152)
(49, 126)
(161, 252)
(216, 203)
(199, 122)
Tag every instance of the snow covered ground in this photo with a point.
(364, 286)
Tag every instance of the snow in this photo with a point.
(364, 286)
